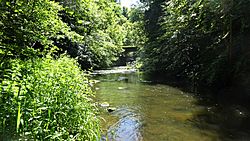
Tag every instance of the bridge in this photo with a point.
(129, 48)
(128, 55)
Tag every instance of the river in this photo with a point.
(135, 110)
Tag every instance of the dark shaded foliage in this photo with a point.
(203, 41)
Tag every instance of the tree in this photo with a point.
(198, 40)
(101, 24)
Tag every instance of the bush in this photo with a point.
(46, 99)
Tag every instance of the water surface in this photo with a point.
(156, 112)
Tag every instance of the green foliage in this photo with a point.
(200, 40)
(24, 25)
(101, 24)
(135, 35)
(46, 99)
(91, 31)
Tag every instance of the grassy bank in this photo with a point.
(46, 99)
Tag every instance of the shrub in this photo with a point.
(46, 99)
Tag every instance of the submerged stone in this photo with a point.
(122, 79)
(121, 88)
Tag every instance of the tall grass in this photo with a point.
(46, 99)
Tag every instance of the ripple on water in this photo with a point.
(127, 128)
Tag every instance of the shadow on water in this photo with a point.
(227, 113)
(149, 111)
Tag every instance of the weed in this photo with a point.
(47, 99)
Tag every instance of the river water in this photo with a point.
(136, 110)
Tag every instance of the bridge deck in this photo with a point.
(129, 48)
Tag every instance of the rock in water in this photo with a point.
(104, 104)
(111, 109)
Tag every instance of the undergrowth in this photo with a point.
(46, 99)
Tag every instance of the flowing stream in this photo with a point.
(135, 110)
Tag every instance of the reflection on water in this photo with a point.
(127, 128)
(155, 112)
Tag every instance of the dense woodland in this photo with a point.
(46, 46)
(206, 42)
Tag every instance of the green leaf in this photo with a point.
(18, 117)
